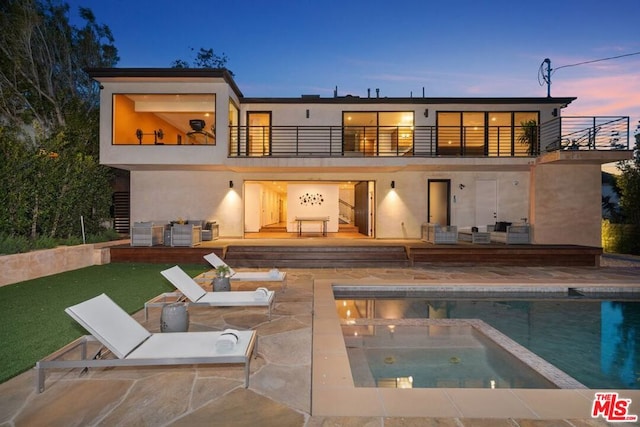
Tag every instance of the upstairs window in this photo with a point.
(164, 119)
(378, 133)
(477, 134)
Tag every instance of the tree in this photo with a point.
(629, 184)
(625, 237)
(205, 58)
(49, 112)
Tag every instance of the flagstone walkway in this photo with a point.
(279, 393)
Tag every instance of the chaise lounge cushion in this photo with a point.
(121, 333)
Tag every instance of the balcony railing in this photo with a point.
(583, 133)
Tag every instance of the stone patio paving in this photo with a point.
(279, 393)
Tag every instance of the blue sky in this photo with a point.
(459, 48)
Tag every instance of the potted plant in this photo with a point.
(529, 136)
(221, 280)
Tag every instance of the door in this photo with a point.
(361, 203)
(259, 133)
(438, 206)
(486, 202)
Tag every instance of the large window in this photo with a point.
(474, 133)
(378, 133)
(164, 119)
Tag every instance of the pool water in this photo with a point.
(595, 341)
(452, 356)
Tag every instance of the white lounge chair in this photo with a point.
(197, 296)
(133, 345)
(249, 276)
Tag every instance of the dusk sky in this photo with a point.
(460, 48)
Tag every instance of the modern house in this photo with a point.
(196, 147)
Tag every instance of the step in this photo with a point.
(319, 256)
(273, 229)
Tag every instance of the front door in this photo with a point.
(361, 203)
(438, 207)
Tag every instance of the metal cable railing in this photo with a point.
(563, 133)
(585, 133)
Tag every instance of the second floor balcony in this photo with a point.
(562, 133)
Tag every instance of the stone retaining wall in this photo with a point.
(31, 265)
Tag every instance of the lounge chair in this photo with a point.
(249, 276)
(196, 296)
(133, 345)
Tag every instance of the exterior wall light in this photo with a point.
(393, 184)
(230, 184)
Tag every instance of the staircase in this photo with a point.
(121, 207)
(316, 256)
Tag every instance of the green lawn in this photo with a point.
(32, 318)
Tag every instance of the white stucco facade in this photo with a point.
(558, 193)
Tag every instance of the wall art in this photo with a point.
(311, 199)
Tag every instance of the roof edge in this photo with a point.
(164, 73)
(349, 99)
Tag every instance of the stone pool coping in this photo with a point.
(334, 393)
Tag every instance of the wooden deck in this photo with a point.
(344, 253)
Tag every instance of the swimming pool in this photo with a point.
(594, 338)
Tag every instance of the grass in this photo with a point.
(32, 315)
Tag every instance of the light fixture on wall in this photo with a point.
(426, 112)
(308, 113)
(393, 184)
(230, 184)
(554, 112)
(461, 186)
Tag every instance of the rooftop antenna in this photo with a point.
(546, 74)
(545, 77)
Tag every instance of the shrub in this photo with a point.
(13, 244)
(44, 243)
(620, 238)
